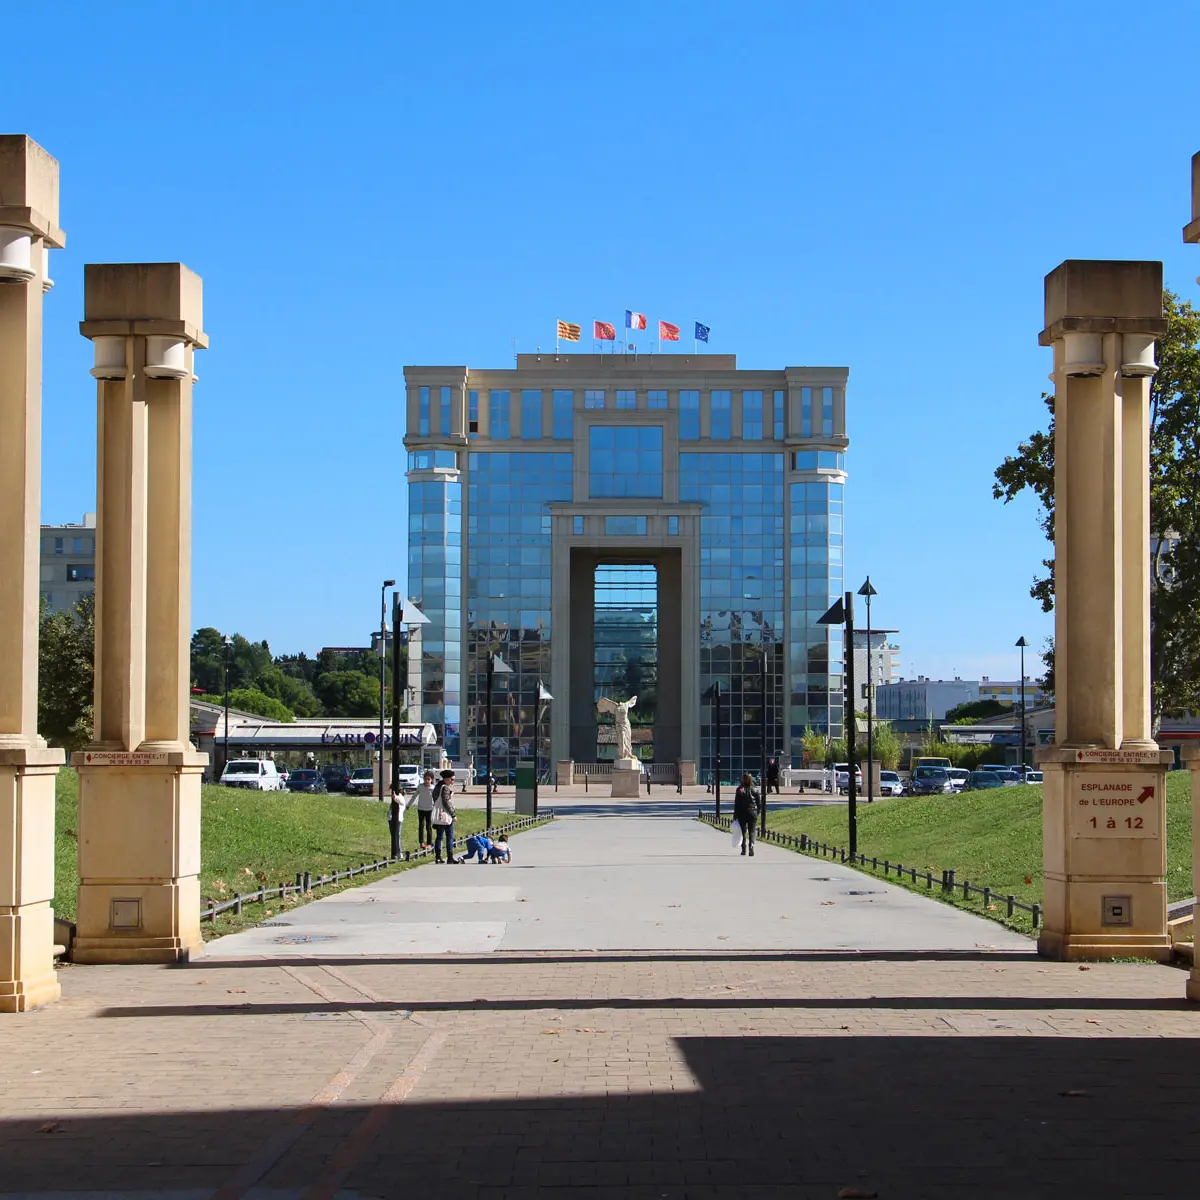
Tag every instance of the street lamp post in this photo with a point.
(387, 583)
(407, 622)
(716, 695)
(495, 666)
(1022, 643)
(842, 613)
(868, 591)
(228, 642)
(762, 828)
(542, 694)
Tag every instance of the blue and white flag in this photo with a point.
(701, 332)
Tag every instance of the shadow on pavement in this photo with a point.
(1018, 1117)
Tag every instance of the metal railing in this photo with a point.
(305, 882)
(948, 884)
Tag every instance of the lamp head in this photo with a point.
(1021, 642)
(389, 583)
(835, 616)
(228, 641)
(867, 589)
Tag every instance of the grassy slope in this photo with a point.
(245, 836)
(991, 838)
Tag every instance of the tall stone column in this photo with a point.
(28, 768)
(1104, 816)
(139, 781)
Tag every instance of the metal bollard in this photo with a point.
(987, 896)
(300, 880)
(929, 879)
(948, 882)
(237, 904)
(966, 889)
(1012, 902)
(1037, 915)
(585, 781)
(308, 881)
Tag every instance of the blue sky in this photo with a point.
(368, 185)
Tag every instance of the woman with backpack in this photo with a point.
(443, 817)
(745, 811)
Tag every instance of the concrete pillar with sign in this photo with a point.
(28, 768)
(139, 779)
(1104, 818)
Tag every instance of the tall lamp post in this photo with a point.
(387, 583)
(762, 827)
(868, 591)
(842, 613)
(495, 666)
(228, 643)
(1022, 643)
(406, 615)
(715, 696)
(542, 695)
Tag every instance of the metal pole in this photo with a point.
(1021, 643)
(870, 715)
(762, 827)
(382, 675)
(395, 816)
(225, 762)
(489, 741)
(717, 786)
(537, 738)
(852, 790)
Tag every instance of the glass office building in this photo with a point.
(609, 525)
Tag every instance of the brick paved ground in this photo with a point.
(664, 1075)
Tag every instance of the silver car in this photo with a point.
(958, 778)
(890, 784)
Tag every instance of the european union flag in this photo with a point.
(701, 332)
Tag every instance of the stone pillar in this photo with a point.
(1104, 810)
(28, 769)
(139, 780)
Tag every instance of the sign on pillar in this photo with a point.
(139, 780)
(1104, 811)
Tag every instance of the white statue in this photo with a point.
(620, 711)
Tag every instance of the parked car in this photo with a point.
(254, 774)
(361, 782)
(410, 777)
(336, 776)
(931, 781)
(931, 762)
(981, 781)
(841, 778)
(958, 777)
(890, 784)
(306, 781)
(1007, 775)
(1028, 775)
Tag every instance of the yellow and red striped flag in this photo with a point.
(568, 332)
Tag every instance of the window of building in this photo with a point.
(625, 526)
(827, 412)
(825, 460)
(425, 460)
(626, 398)
(58, 545)
(577, 526)
(80, 572)
(499, 410)
(752, 416)
(625, 460)
(593, 399)
(721, 423)
(473, 414)
(656, 399)
(689, 416)
(49, 598)
(423, 412)
(806, 412)
(531, 414)
(444, 412)
(672, 526)
(564, 421)
(779, 428)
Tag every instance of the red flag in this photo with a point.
(605, 332)
(668, 332)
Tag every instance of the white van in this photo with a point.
(255, 774)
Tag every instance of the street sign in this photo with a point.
(1139, 758)
(1116, 805)
(125, 758)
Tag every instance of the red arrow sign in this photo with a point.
(1147, 794)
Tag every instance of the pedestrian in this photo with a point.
(478, 844)
(773, 776)
(425, 812)
(500, 851)
(745, 811)
(443, 817)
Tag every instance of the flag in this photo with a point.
(668, 332)
(605, 332)
(568, 332)
(635, 320)
(701, 332)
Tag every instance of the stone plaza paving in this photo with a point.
(709, 1057)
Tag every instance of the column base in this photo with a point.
(1081, 947)
(126, 951)
(1192, 991)
(626, 781)
(24, 994)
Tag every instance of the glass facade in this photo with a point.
(423, 412)
(625, 460)
(752, 416)
(626, 398)
(721, 427)
(564, 420)
(499, 414)
(593, 399)
(625, 652)
(444, 412)
(689, 416)
(656, 399)
(531, 414)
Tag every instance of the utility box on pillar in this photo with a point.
(139, 780)
(1104, 815)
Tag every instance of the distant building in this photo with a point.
(68, 563)
(923, 699)
(883, 657)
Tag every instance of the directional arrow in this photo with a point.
(1147, 794)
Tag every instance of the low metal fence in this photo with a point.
(948, 883)
(305, 882)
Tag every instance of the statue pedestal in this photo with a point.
(626, 778)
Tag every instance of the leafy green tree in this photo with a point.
(208, 659)
(295, 693)
(886, 744)
(251, 700)
(348, 694)
(1174, 511)
(66, 656)
(976, 710)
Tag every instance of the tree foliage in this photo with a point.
(251, 700)
(348, 693)
(1174, 511)
(66, 654)
(976, 710)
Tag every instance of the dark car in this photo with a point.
(981, 781)
(930, 781)
(336, 776)
(306, 781)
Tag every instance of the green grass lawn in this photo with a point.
(991, 838)
(248, 838)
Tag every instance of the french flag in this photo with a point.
(635, 320)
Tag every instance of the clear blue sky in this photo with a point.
(367, 185)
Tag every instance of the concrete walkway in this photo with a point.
(622, 875)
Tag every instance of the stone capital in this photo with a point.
(155, 299)
(29, 188)
(1191, 231)
(1103, 296)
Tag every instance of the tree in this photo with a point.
(66, 654)
(251, 700)
(1174, 511)
(208, 659)
(348, 694)
(295, 693)
(975, 710)
(885, 744)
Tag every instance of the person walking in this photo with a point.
(745, 812)
(773, 776)
(424, 802)
(443, 817)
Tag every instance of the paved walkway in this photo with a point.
(728, 1072)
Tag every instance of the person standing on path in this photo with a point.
(443, 817)
(773, 776)
(745, 811)
(425, 812)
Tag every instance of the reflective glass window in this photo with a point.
(444, 412)
(625, 460)
(827, 412)
(499, 410)
(577, 526)
(656, 399)
(625, 526)
(778, 417)
(626, 398)
(564, 421)
(423, 412)
(593, 399)
(672, 526)
(473, 414)
(531, 414)
(721, 422)
(752, 416)
(689, 416)
(806, 425)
